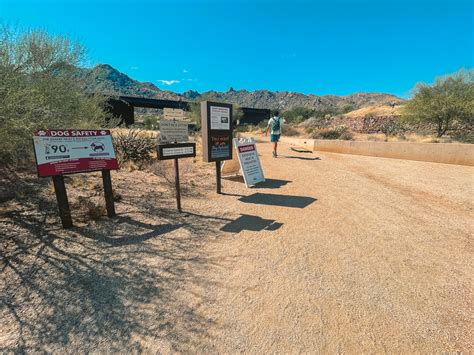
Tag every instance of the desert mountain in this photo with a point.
(106, 79)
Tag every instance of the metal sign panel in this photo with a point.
(249, 161)
(70, 151)
(220, 117)
(175, 151)
(173, 131)
(173, 113)
(216, 122)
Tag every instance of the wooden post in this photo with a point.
(63, 203)
(178, 189)
(109, 196)
(218, 176)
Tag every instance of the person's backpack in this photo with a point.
(275, 124)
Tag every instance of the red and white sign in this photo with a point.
(73, 151)
(249, 161)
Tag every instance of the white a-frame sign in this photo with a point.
(249, 161)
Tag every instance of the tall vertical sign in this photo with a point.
(216, 123)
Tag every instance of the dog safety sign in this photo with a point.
(72, 151)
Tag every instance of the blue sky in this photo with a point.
(320, 47)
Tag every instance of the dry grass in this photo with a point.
(408, 137)
(383, 110)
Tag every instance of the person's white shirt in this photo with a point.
(270, 124)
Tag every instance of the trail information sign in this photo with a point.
(70, 151)
(216, 123)
(216, 131)
(249, 161)
(173, 131)
(175, 151)
(220, 117)
(173, 114)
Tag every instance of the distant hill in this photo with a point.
(106, 79)
(103, 78)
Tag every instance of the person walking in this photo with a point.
(274, 125)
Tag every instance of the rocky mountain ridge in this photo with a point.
(106, 79)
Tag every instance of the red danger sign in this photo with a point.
(246, 148)
(73, 151)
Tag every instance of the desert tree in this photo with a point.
(39, 88)
(449, 100)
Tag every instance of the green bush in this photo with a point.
(448, 101)
(134, 146)
(464, 137)
(297, 114)
(340, 132)
(150, 122)
(39, 89)
(263, 124)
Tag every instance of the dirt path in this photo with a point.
(341, 253)
(381, 260)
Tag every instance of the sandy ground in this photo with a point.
(334, 253)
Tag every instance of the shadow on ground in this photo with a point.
(272, 184)
(251, 223)
(297, 157)
(278, 200)
(114, 286)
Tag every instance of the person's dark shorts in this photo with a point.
(274, 138)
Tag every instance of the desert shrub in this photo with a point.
(340, 132)
(391, 127)
(150, 122)
(290, 131)
(195, 114)
(243, 128)
(134, 146)
(448, 101)
(464, 137)
(297, 114)
(95, 210)
(165, 170)
(346, 135)
(263, 124)
(40, 88)
(313, 123)
(91, 208)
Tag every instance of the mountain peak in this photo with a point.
(105, 78)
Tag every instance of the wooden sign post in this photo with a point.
(176, 151)
(172, 135)
(61, 152)
(216, 123)
(63, 203)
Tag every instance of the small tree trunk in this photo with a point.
(439, 131)
(444, 128)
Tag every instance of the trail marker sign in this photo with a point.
(249, 161)
(175, 151)
(173, 114)
(172, 131)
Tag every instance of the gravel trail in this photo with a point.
(333, 253)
